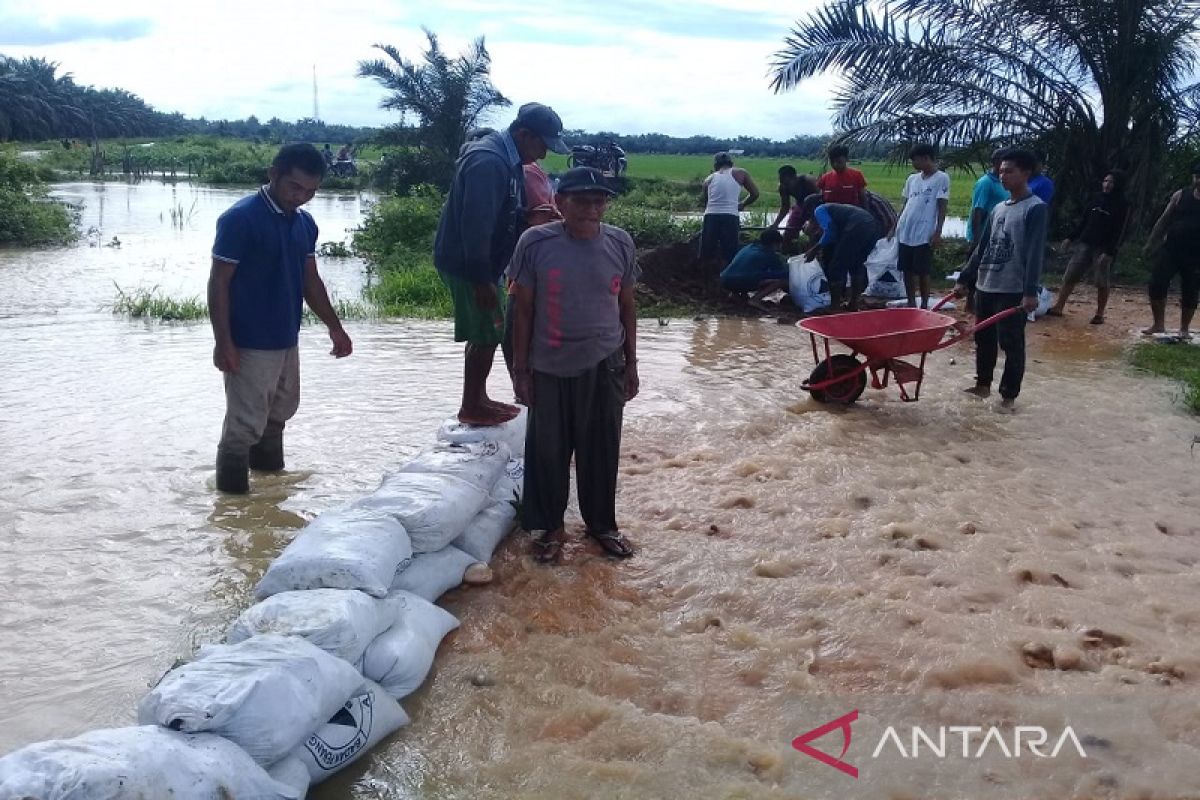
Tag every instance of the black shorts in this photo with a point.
(719, 236)
(1182, 260)
(916, 259)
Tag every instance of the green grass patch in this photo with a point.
(1179, 361)
(411, 290)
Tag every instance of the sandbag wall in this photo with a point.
(309, 678)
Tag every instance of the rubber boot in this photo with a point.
(233, 476)
(267, 455)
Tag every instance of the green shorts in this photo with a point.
(471, 323)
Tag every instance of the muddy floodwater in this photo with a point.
(932, 564)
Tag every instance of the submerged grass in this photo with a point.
(1179, 361)
(152, 304)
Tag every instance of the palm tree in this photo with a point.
(1093, 84)
(446, 96)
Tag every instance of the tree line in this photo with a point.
(38, 103)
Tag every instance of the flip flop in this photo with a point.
(613, 543)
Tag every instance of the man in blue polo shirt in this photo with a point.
(264, 268)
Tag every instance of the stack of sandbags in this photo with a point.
(309, 678)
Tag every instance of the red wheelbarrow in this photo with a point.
(881, 337)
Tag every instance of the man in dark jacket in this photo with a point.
(482, 218)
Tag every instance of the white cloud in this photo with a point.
(678, 68)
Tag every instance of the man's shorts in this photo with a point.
(472, 324)
(1083, 258)
(916, 259)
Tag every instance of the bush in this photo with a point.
(400, 225)
(400, 171)
(27, 217)
(651, 228)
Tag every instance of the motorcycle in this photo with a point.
(609, 158)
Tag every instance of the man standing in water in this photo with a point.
(264, 269)
(576, 370)
(483, 215)
(1005, 269)
(1178, 233)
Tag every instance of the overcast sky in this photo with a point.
(679, 67)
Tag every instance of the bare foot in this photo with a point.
(504, 408)
(979, 390)
(1054, 312)
(1153, 329)
(547, 546)
(485, 417)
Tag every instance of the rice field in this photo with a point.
(884, 178)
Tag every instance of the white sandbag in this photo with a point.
(511, 486)
(431, 575)
(512, 433)
(342, 622)
(487, 530)
(434, 509)
(346, 548)
(478, 463)
(807, 284)
(367, 718)
(400, 659)
(1045, 300)
(142, 762)
(292, 772)
(884, 279)
(266, 694)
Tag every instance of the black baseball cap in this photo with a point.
(583, 179)
(545, 123)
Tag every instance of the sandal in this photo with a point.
(613, 543)
(547, 549)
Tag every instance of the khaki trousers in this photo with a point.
(259, 398)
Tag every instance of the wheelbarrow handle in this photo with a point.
(987, 323)
(943, 301)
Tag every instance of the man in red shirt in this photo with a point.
(842, 184)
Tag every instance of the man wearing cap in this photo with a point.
(574, 362)
(483, 215)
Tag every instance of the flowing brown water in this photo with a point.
(935, 563)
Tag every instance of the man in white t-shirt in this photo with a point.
(926, 196)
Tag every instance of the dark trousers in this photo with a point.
(1007, 335)
(581, 416)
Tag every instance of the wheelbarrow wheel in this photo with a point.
(844, 392)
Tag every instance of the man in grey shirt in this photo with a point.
(1005, 270)
(574, 362)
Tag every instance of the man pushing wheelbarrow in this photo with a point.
(1005, 269)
